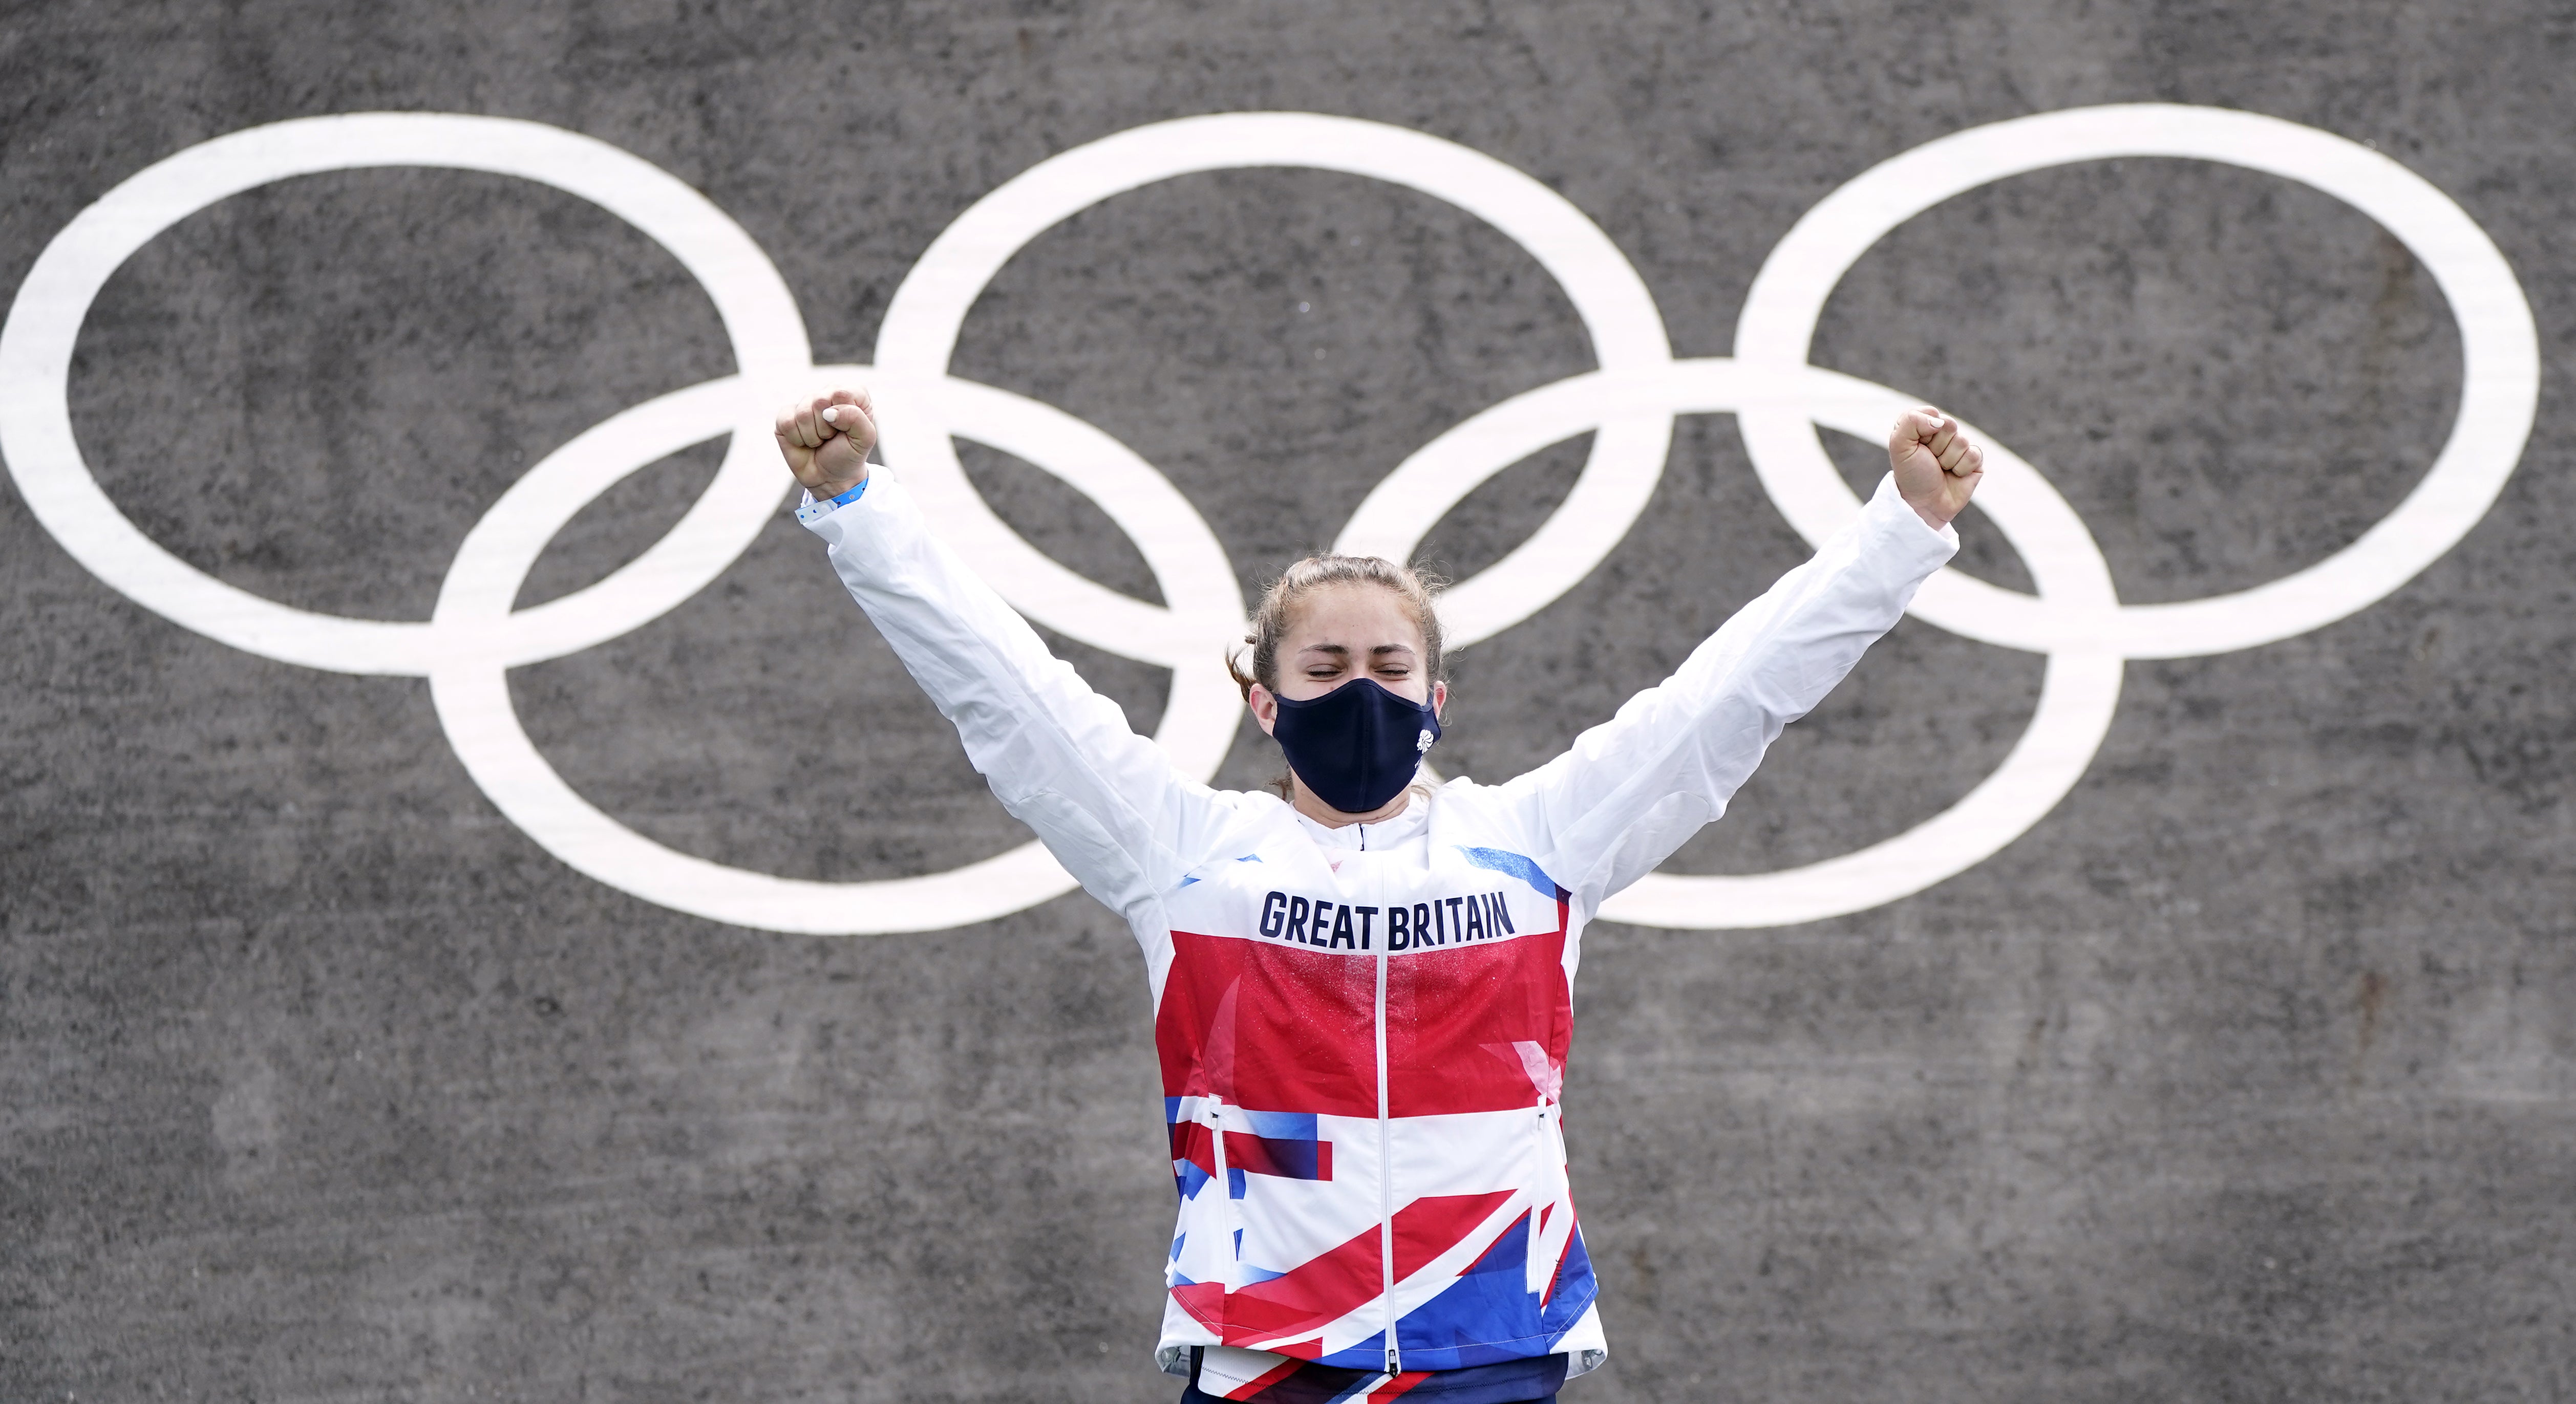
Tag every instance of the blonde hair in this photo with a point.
(1417, 588)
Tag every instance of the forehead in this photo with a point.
(1352, 615)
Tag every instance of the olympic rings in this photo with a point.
(474, 635)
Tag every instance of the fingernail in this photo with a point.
(831, 416)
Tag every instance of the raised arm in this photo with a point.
(1061, 757)
(1632, 789)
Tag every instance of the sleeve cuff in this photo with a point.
(810, 511)
(1901, 517)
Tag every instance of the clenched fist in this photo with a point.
(826, 442)
(1937, 469)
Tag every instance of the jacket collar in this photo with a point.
(1407, 823)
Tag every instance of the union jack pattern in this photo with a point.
(1363, 1135)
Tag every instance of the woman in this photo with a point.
(1361, 991)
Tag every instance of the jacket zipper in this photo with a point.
(1225, 1194)
(1385, 1180)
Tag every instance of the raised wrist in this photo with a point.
(817, 506)
(828, 491)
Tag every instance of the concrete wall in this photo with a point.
(2249, 1073)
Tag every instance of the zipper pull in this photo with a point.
(1393, 1361)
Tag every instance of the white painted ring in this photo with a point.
(2500, 370)
(45, 320)
(923, 317)
(2077, 696)
(473, 698)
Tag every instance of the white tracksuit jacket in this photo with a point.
(1363, 1031)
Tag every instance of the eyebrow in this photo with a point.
(1343, 650)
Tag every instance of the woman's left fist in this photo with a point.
(826, 441)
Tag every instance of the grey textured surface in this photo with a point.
(2249, 1075)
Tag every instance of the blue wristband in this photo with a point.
(812, 509)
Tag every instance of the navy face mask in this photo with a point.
(1356, 746)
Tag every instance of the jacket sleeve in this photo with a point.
(1060, 757)
(1632, 789)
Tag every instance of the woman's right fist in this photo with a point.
(1936, 468)
(826, 442)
